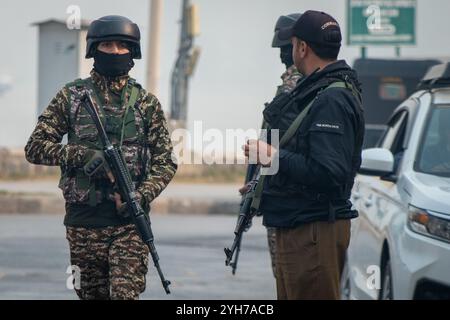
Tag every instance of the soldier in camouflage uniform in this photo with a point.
(291, 76)
(289, 80)
(104, 244)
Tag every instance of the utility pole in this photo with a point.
(153, 47)
(184, 64)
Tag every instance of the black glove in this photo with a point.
(93, 161)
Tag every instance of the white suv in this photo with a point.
(400, 245)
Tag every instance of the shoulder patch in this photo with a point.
(327, 126)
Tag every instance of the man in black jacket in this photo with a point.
(307, 200)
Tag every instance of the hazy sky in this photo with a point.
(237, 72)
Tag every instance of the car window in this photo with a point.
(372, 135)
(394, 132)
(394, 138)
(434, 153)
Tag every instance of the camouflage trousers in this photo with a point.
(271, 236)
(112, 262)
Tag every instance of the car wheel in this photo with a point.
(345, 283)
(386, 292)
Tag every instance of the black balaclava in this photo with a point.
(112, 65)
(286, 55)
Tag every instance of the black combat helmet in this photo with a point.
(284, 22)
(113, 28)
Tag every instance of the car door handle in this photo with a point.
(368, 202)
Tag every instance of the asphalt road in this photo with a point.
(34, 258)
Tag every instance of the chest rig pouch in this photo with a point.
(125, 125)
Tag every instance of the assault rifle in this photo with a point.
(115, 162)
(246, 214)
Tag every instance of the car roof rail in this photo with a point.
(437, 76)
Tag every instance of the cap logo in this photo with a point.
(331, 23)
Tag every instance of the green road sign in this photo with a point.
(381, 22)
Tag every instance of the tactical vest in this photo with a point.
(126, 127)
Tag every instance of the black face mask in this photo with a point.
(286, 55)
(112, 65)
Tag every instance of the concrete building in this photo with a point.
(61, 58)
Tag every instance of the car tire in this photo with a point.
(387, 290)
(345, 282)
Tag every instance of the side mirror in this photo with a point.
(377, 162)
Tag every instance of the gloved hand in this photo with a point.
(93, 161)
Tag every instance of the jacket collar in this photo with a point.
(339, 66)
(336, 70)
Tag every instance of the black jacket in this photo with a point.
(318, 165)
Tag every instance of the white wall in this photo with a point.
(85, 65)
(58, 60)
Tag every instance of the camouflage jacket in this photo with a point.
(64, 116)
(290, 78)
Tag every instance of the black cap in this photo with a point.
(315, 27)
